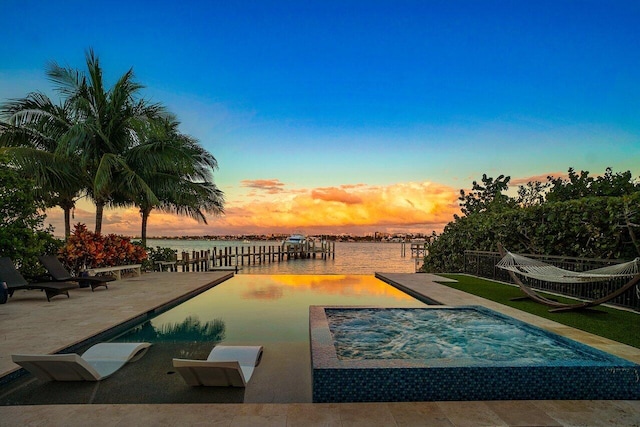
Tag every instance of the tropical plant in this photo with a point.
(34, 130)
(106, 130)
(595, 225)
(486, 196)
(22, 233)
(178, 170)
(109, 145)
(161, 254)
(532, 193)
(582, 185)
(85, 249)
(158, 254)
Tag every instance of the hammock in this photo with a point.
(528, 267)
(549, 273)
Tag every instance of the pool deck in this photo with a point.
(30, 324)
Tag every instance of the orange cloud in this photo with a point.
(271, 186)
(127, 222)
(536, 178)
(333, 194)
(358, 209)
(419, 206)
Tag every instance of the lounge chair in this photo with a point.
(96, 364)
(226, 366)
(15, 281)
(60, 274)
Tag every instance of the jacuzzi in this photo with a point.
(361, 354)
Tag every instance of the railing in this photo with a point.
(483, 264)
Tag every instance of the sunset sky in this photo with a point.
(354, 116)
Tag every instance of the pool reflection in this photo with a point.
(259, 308)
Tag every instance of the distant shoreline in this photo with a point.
(357, 239)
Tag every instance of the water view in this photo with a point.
(350, 257)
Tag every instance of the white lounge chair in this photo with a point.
(226, 366)
(96, 364)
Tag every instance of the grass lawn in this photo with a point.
(618, 325)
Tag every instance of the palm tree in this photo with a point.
(109, 145)
(31, 136)
(107, 131)
(178, 170)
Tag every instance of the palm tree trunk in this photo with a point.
(145, 212)
(67, 205)
(99, 211)
(67, 223)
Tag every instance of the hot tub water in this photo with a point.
(442, 334)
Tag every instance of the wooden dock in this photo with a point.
(417, 249)
(235, 257)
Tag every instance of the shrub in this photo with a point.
(23, 235)
(85, 249)
(157, 254)
(591, 227)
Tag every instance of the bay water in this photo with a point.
(350, 257)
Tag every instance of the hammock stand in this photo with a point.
(528, 267)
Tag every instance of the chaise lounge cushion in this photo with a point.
(96, 364)
(226, 366)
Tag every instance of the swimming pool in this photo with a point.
(246, 310)
(454, 353)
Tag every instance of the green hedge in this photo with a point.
(594, 227)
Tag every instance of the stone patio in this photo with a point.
(30, 324)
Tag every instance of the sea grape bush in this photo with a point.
(161, 254)
(85, 249)
(578, 217)
(158, 254)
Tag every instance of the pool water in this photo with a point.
(460, 334)
(262, 309)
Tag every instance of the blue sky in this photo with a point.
(330, 105)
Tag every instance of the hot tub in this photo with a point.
(364, 354)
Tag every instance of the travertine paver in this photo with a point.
(29, 323)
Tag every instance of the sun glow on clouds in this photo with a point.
(414, 206)
(265, 206)
(269, 185)
(271, 206)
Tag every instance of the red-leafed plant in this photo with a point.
(85, 249)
